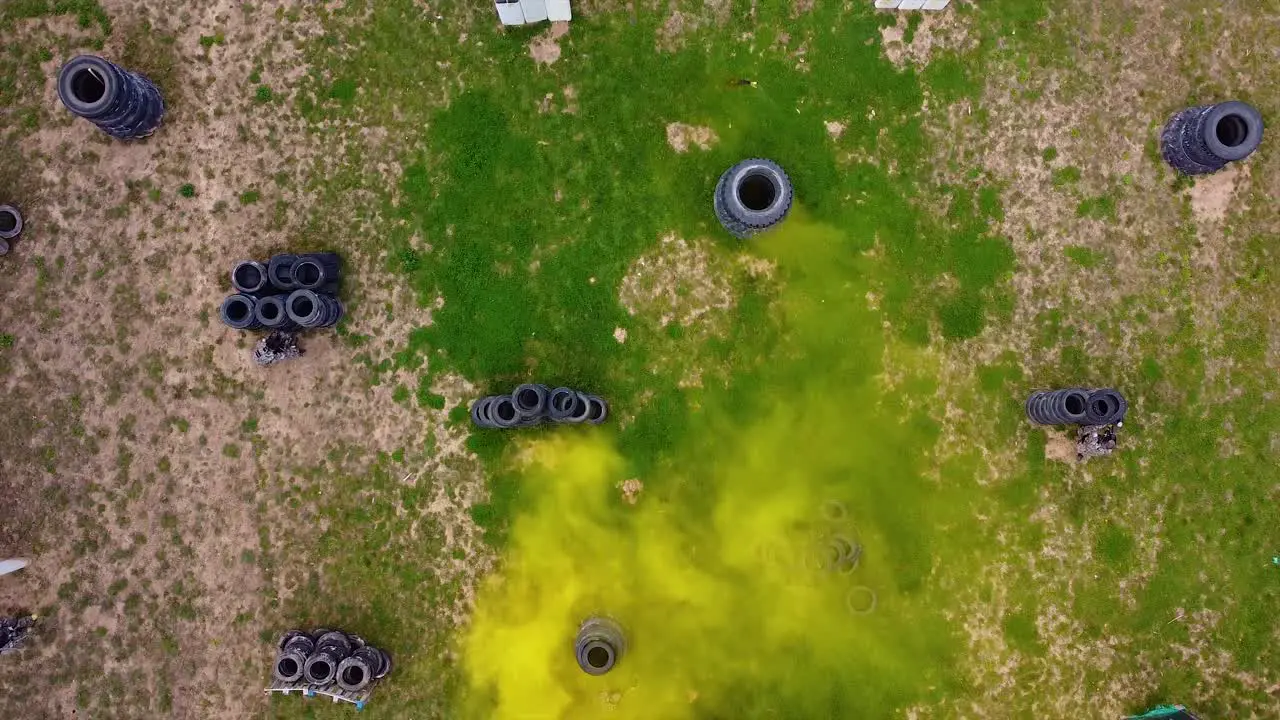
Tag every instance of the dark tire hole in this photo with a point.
(1101, 408)
(8, 221)
(528, 398)
(562, 402)
(1074, 404)
(597, 657)
(287, 667)
(757, 192)
(1232, 130)
(270, 311)
(238, 311)
(306, 273)
(579, 406)
(303, 307)
(248, 276)
(88, 86)
(353, 675)
(319, 670)
(506, 411)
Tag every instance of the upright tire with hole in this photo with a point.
(599, 645)
(240, 312)
(1106, 407)
(310, 309)
(317, 271)
(250, 277)
(1058, 407)
(10, 222)
(752, 197)
(1203, 139)
(122, 103)
(291, 656)
(273, 315)
(280, 271)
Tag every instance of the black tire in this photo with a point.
(1232, 130)
(480, 413)
(280, 271)
(293, 638)
(599, 646)
(581, 409)
(356, 671)
(10, 222)
(503, 412)
(310, 309)
(530, 399)
(121, 103)
(598, 410)
(321, 667)
(240, 312)
(755, 194)
(249, 277)
(289, 666)
(273, 315)
(1058, 407)
(1203, 139)
(92, 87)
(1106, 407)
(560, 403)
(729, 223)
(385, 668)
(4, 247)
(318, 272)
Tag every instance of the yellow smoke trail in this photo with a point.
(725, 610)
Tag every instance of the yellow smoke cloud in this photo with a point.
(727, 609)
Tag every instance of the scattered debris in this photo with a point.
(277, 347)
(1095, 441)
(14, 631)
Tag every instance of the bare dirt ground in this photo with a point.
(144, 455)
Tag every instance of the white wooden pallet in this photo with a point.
(912, 4)
(332, 691)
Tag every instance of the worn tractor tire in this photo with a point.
(318, 271)
(1203, 139)
(250, 277)
(356, 671)
(599, 646)
(598, 409)
(273, 315)
(120, 102)
(1106, 407)
(753, 196)
(240, 312)
(310, 309)
(531, 399)
(280, 271)
(10, 222)
(560, 403)
(503, 412)
(1058, 407)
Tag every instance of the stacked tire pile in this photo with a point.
(533, 404)
(752, 196)
(289, 293)
(327, 658)
(1077, 406)
(1203, 139)
(122, 103)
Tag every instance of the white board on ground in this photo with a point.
(510, 13)
(534, 10)
(559, 11)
